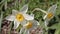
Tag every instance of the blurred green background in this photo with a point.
(6, 7)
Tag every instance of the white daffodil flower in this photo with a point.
(49, 14)
(30, 25)
(19, 17)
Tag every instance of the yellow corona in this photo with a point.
(29, 25)
(49, 15)
(20, 17)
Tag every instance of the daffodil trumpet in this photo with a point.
(20, 17)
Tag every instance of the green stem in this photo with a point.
(40, 10)
(5, 4)
(1, 19)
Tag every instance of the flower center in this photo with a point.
(28, 25)
(49, 15)
(19, 17)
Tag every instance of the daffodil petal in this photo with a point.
(35, 23)
(45, 17)
(26, 31)
(16, 24)
(28, 17)
(21, 30)
(53, 9)
(14, 12)
(10, 18)
(46, 22)
(24, 9)
(23, 23)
